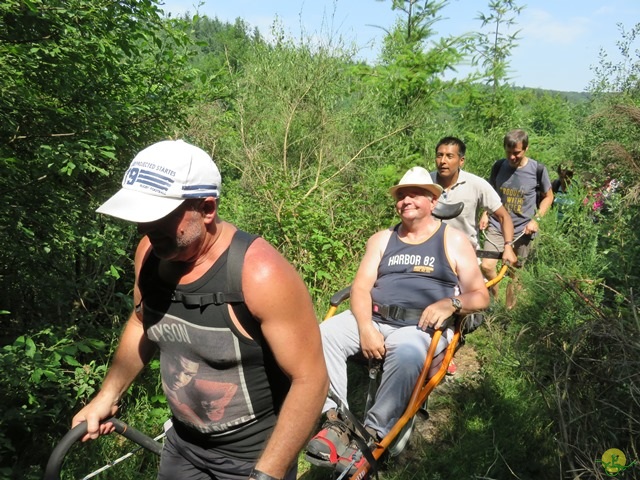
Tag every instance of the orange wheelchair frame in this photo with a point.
(423, 387)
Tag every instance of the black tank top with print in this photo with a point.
(224, 389)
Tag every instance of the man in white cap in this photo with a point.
(403, 290)
(229, 302)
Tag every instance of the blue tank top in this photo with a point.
(414, 276)
(224, 389)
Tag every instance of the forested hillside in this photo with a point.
(309, 141)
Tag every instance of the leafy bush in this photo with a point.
(47, 378)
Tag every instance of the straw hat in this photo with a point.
(417, 177)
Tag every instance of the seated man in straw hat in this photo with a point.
(412, 270)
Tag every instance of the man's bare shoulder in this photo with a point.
(380, 237)
(456, 239)
(262, 257)
(266, 268)
(273, 288)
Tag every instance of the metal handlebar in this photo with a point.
(54, 465)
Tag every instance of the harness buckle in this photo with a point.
(390, 312)
(396, 312)
(218, 298)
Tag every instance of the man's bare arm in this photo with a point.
(277, 297)
(371, 340)
(545, 205)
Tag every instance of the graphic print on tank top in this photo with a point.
(205, 391)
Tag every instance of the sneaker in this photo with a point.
(326, 448)
(452, 368)
(350, 461)
(352, 458)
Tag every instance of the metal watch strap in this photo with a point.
(457, 304)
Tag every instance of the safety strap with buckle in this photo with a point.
(235, 259)
(204, 299)
(397, 313)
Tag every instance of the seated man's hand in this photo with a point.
(436, 314)
(372, 343)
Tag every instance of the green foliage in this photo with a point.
(573, 335)
(496, 425)
(619, 75)
(222, 46)
(412, 64)
(145, 409)
(550, 115)
(294, 147)
(46, 376)
(85, 83)
(52, 372)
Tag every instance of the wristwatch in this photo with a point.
(457, 304)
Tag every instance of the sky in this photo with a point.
(559, 40)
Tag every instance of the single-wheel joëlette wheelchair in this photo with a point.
(433, 371)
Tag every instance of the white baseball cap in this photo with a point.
(160, 178)
(418, 177)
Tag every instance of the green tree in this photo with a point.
(409, 80)
(491, 51)
(620, 75)
(221, 47)
(412, 64)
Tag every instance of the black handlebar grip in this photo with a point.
(52, 471)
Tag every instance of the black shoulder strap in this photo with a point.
(235, 260)
(539, 172)
(494, 173)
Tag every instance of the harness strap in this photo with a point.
(396, 312)
(204, 299)
(235, 260)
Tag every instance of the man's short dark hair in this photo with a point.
(462, 148)
(514, 137)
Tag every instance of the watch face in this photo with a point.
(457, 304)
